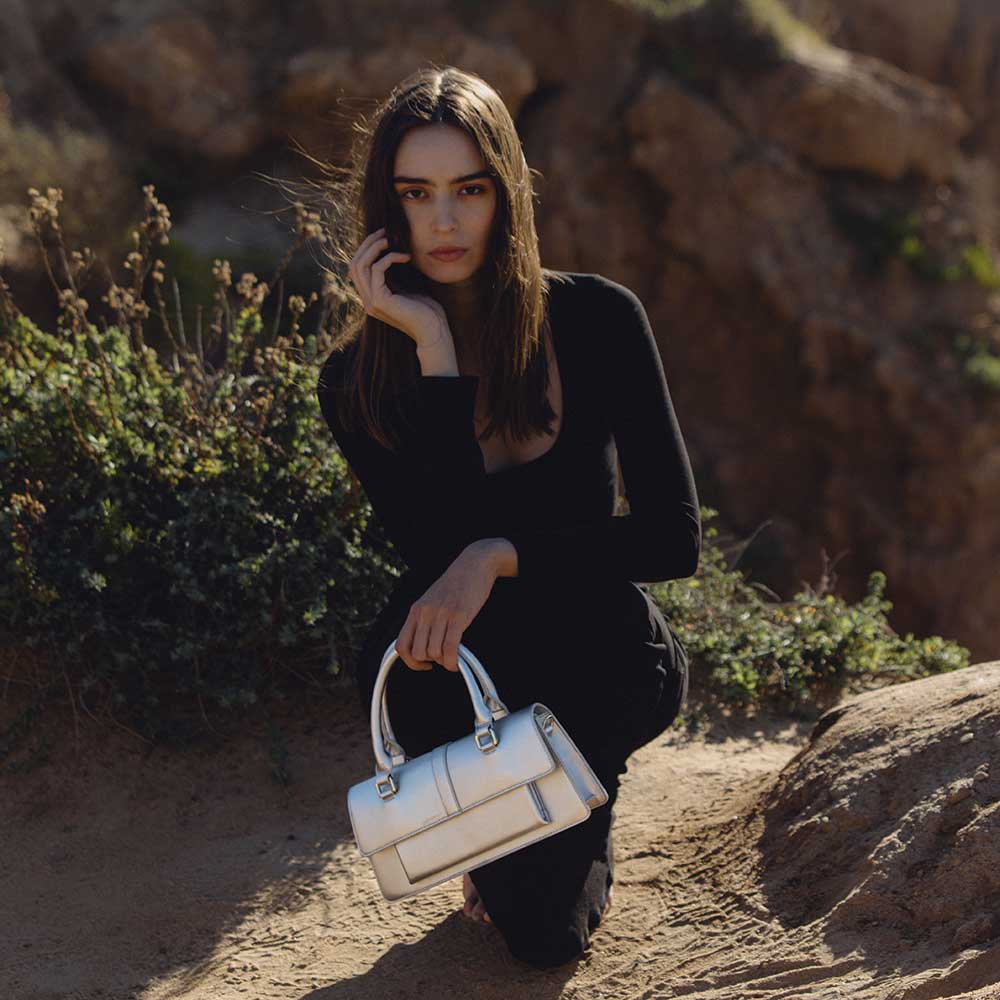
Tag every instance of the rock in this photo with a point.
(913, 842)
(915, 36)
(980, 928)
(195, 94)
(843, 111)
(950, 43)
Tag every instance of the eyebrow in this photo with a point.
(423, 180)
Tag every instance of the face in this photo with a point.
(443, 204)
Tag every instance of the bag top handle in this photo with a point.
(486, 705)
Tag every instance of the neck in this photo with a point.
(463, 303)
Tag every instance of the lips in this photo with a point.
(452, 254)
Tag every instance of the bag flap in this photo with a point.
(447, 780)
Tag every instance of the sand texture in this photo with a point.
(763, 858)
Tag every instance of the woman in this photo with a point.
(510, 388)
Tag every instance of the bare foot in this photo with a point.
(474, 906)
(611, 896)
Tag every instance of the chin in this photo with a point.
(448, 275)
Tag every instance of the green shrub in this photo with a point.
(176, 532)
(978, 363)
(979, 264)
(795, 655)
(982, 367)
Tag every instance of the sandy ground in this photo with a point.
(129, 873)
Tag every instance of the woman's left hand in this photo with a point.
(434, 627)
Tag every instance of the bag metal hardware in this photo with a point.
(386, 786)
(494, 742)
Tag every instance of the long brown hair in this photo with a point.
(361, 198)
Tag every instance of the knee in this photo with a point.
(553, 950)
(559, 944)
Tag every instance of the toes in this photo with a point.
(470, 894)
(474, 907)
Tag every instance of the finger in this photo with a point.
(415, 664)
(376, 264)
(363, 248)
(379, 268)
(420, 634)
(378, 287)
(383, 262)
(435, 635)
(405, 638)
(404, 643)
(360, 270)
(367, 258)
(449, 645)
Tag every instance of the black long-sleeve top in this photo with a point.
(435, 497)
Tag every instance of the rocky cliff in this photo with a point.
(803, 196)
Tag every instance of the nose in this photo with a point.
(444, 219)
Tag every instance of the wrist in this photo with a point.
(431, 338)
(498, 554)
(436, 354)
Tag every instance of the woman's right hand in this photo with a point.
(421, 317)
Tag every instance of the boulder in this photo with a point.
(888, 819)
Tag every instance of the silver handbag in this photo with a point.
(516, 778)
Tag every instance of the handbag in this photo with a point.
(517, 778)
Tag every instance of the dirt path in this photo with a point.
(202, 877)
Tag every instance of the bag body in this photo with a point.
(515, 779)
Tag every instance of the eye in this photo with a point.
(479, 189)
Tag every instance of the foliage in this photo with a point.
(747, 649)
(896, 233)
(979, 264)
(983, 368)
(172, 531)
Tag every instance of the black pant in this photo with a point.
(605, 661)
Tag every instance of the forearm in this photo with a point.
(499, 554)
